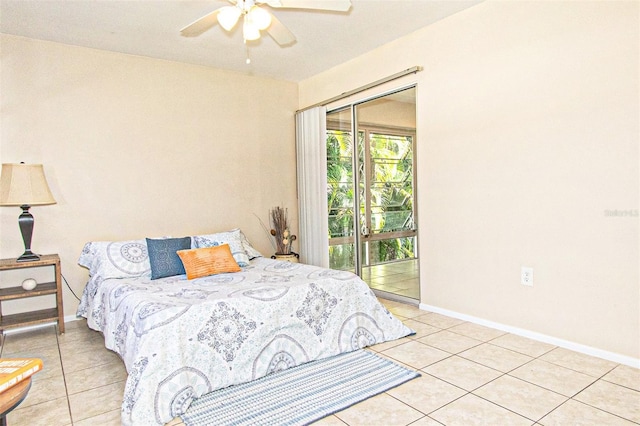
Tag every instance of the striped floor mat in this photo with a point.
(300, 395)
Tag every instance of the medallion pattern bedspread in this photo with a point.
(180, 339)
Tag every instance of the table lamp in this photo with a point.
(24, 185)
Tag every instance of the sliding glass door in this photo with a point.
(371, 192)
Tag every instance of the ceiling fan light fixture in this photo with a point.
(250, 31)
(228, 17)
(259, 17)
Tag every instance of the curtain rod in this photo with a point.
(392, 77)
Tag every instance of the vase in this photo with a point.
(291, 257)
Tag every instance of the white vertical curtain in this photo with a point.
(312, 186)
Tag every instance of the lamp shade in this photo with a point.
(24, 184)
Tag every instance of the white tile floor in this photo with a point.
(401, 278)
(471, 375)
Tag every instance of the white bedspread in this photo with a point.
(180, 339)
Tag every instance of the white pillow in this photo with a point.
(231, 237)
(116, 259)
(251, 251)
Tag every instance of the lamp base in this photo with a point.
(28, 256)
(25, 221)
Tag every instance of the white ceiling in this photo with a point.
(152, 28)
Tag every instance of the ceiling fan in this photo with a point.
(256, 18)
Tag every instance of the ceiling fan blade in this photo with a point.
(201, 25)
(337, 5)
(280, 33)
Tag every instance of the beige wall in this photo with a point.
(528, 125)
(135, 147)
(527, 131)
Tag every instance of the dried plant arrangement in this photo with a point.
(282, 237)
(280, 230)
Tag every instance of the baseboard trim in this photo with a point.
(67, 318)
(577, 347)
(70, 318)
(394, 297)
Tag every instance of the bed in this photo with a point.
(181, 338)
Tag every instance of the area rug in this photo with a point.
(300, 395)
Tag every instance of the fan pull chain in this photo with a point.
(246, 49)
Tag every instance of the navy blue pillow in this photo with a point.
(163, 258)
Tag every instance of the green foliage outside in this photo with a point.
(390, 196)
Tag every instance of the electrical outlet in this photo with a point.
(526, 276)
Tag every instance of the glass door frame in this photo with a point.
(354, 129)
(368, 235)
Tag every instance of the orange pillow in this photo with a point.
(208, 261)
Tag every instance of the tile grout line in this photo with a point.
(421, 370)
(597, 379)
(525, 381)
(494, 379)
(538, 357)
(64, 378)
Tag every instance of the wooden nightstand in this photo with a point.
(48, 288)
